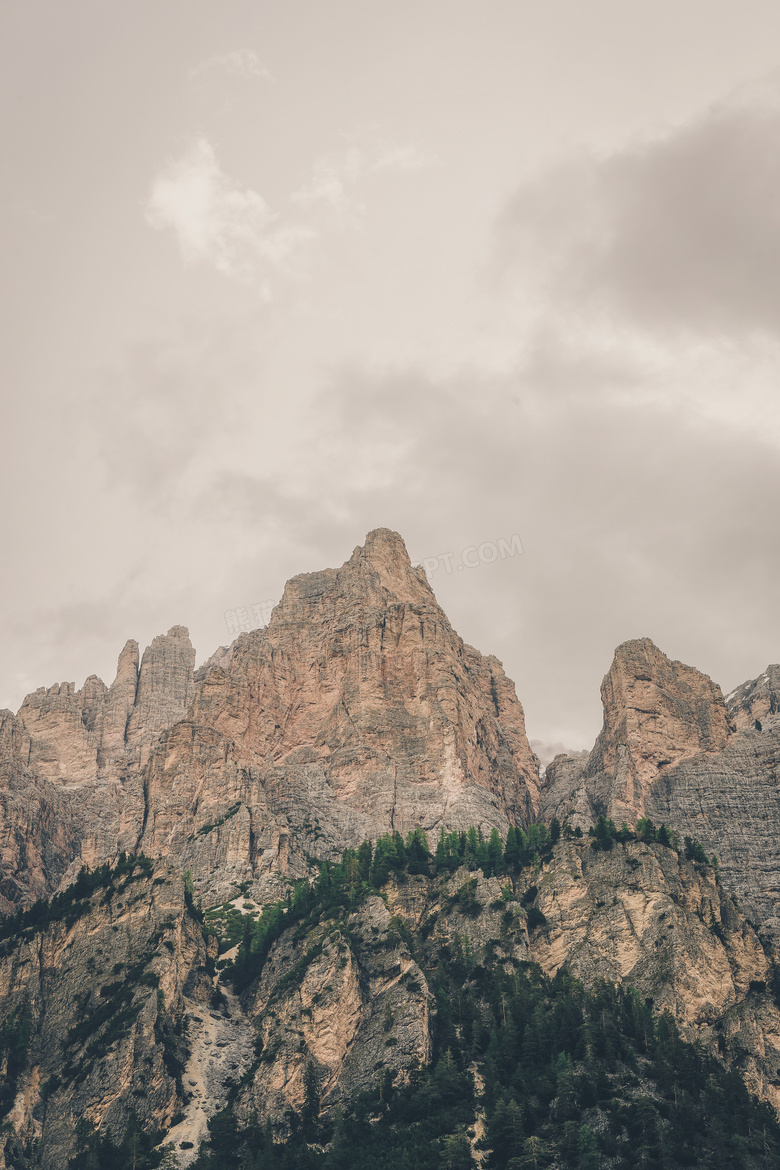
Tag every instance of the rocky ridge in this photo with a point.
(672, 749)
(356, 710)
(352, 996)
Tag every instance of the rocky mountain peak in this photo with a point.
(384, 562)
(357, 708)
(165, 686)
(377, 575)
(127, 665)
(657, 712)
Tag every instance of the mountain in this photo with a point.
(404, 1009)
(674, 750)
(311, 905)
(357, 710)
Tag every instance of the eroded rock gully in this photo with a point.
(105, 989)
(221, 1050)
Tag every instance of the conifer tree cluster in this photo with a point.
(550, 1074)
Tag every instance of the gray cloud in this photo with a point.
(636, 518)
(153, 415)
(251, 439)
(680, 231)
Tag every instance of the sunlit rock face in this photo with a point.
(357, 710)
(360, 706)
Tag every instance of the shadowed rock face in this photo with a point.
(140, 951)
(642, 914)
(670, 750)
(358, 710)
(637, 913)
(39, 832)
(758, 699)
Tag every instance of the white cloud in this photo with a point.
(328, 184)
(214, 220)
(400, 158)
(239, 62)
(334, 179)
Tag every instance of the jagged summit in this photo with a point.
(657, 712)
(660, 710)
(360, 684)
(378, 574)
(357, 710)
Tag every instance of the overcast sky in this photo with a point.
(276, 274)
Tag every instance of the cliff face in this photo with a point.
(672, 750)
(356, 711)
(124, 1026)
(103, 989)
(348, 999)
(39, 830)
(71, 767)
(656, 713)
(757, 699)
(99, 733)
(640, 914)
(351, 997)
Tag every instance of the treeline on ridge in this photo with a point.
(367, 869)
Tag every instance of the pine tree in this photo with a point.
(311, 1097)
(365, 853)
(495, 855)
(587, 1150)
(512, 849)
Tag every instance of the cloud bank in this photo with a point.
(680, 232)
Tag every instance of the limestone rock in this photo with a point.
(165, 688)
(133, 952)
(349, 1001)
(360, 691)
(357, 710)
(757, 699)
(348, 998)
(656, 713)
(669, 751)
(39, 832)
(640, 914)
(73, 789)
(221, 657)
